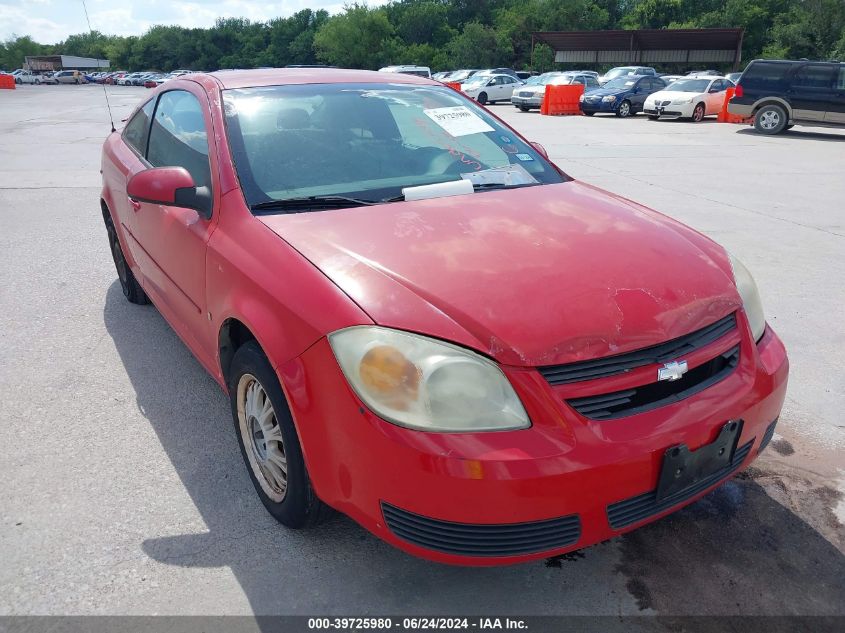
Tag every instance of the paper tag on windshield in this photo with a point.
(458, 120)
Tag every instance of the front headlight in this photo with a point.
(581, 98)
(608, 99)
(426, 384)
(747, 289)
(680, 101)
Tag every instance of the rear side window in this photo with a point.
(138, 129)
(178, 137)
(840, 81)
(813, 76)
(764, 76)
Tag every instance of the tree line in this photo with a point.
(447, 34)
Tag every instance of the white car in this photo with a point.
(624, 71)
(692, 98)
(490, 88)
(531, 94)
(26, 77)
(419, 71)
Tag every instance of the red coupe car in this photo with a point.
(423, 323)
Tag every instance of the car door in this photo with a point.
(716, 96)
(172, 240)
(811, 91)
(638, 93)
(836, 111)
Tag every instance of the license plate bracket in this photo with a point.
(683, 468)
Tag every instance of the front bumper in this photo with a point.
(527, 102)
(675, 110)
(599, 106)
(549, 489)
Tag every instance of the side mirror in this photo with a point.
(170, 186)
(540, 149)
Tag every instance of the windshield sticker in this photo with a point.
(505, 139)
(525, 157)
(458, 120)
(509, 176)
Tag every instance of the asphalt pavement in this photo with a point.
(123, 491)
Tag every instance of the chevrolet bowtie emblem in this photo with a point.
(672, 371)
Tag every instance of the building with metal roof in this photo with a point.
(682, 47)
(63, 62)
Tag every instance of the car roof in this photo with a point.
(281, 76)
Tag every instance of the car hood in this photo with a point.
(538, 276)
(672, 95)
(603, 92)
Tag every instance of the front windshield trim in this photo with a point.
(384, 188)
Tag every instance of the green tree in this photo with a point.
(357, 38)
(477, 46)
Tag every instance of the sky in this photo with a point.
(51, 21)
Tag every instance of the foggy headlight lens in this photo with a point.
(747, 289)
(680, 101)
(425, 384)
(609, 99)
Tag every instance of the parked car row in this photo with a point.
(23, 76)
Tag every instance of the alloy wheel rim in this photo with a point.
(624, 109)
(699, 113)
(769, 120)
(262, 437)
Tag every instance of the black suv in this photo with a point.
(779, 94)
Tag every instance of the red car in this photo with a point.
(425, 324)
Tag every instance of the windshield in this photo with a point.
(688, 85)
(368, 141)
(620, 83)
(535, 80)
(477, 79)
(618, 72)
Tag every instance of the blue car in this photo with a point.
(622, 96)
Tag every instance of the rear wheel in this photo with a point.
(624, 109)
(482, 98)
(653, 117)
(698, 113)
(523, 108)
(587, 113)
(131, 288)
(268, 440)
(770, 119)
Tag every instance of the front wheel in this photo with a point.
(653, 117)
(698, 113)
(770, 119)
(18, 81)
(587, 113)
(482, 98)
(128, 283)
(268, 440)
(624, 110)
(523, 108)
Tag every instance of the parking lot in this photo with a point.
(124, 492)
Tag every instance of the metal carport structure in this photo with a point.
(646, 46)
(63, 62)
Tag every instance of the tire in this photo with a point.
(482, 98)
(789, 127)
(18, 81)
(587, 113)
(770, 119)
(653, 117)
(524, 109)
(624, 110)
(252, 379)
(131, 288)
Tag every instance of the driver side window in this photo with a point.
(178, 136)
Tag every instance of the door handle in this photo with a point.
(136, 206)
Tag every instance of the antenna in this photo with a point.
(105, 92)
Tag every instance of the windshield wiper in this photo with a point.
(500, 185)
(312, 202)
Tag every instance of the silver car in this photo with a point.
(531, 94)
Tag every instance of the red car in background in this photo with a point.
(425, 324)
